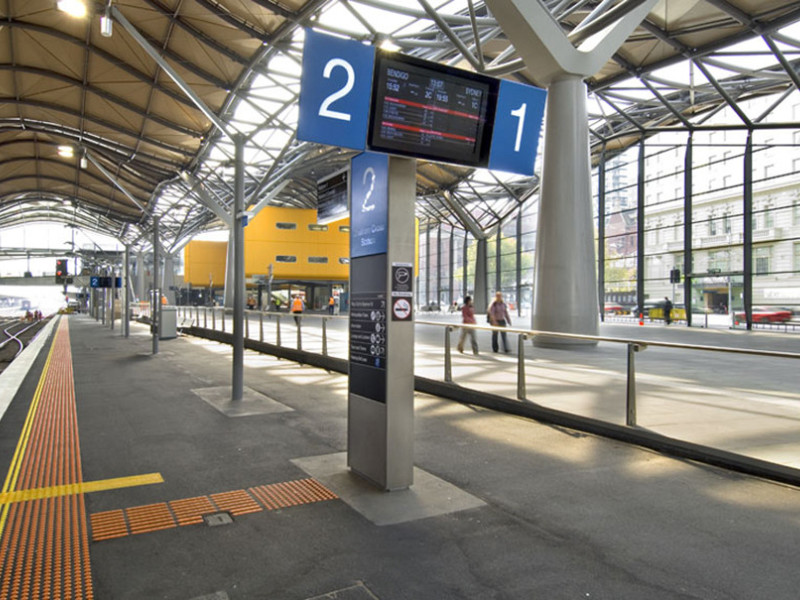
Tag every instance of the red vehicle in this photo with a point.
(767, 314)
(611, 308)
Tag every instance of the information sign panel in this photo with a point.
(335, 86)
(368, 329)
(517, 124)
(369, 190)
(427, 110)
(402, 291)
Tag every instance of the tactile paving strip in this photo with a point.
(151, 517)
(189, 511)
(237, 502)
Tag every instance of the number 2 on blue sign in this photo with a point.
(335, 91)
(324, 108)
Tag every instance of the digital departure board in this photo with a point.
(332, 198)
(432, 111)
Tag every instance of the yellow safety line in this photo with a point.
(22, 444)
(85, 487)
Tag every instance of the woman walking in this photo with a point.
(468, 318)
(498, 317)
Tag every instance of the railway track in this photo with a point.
(16, 334)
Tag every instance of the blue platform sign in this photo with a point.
(369, 198)
(335, 91)
(517, 124)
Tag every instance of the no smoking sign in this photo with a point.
(401, 309)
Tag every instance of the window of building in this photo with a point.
(796, 261)
(712, 225)
(761, 258)
(769, 218)
(726, 223)
(317, 227)
(286, 225)
(284, 258)
(318, 259)
(796, 212)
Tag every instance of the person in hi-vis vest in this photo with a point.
(297, 308)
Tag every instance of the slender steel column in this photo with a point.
(438, 264)
(518, 258)
(601, 233)
(126, 295)
(156, 295)
(237, 387)
(451, 266)
(498, 268)
(747, 241)
(428, 266)
(640, 270)
(688, 166)
(481, 290)
(465, 265)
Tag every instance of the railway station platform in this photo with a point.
(130, 477)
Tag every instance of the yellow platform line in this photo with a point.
(85, 487)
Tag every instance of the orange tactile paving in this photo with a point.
(44, 542)
(292, 493)
(108, 525)
(237, 502)
(191, 510)
(150, 517)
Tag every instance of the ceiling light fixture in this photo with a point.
(74, 8)
(106, 23)
(66, 151)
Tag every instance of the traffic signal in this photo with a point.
(675, 275)
(61, 270)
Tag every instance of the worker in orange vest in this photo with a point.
(297, 308)
(331, 304)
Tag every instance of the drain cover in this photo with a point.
(217, 519)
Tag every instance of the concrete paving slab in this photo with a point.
(429, 496)
(252, 402)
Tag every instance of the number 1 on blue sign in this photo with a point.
(520, 114)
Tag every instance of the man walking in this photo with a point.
(498, 317)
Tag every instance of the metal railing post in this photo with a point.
(246, 325)
(630, 397)
(278, 330)
(521, 386)
(261, 327)
(223, 320)
(324, 336)
(299, 332)
(448, 362)
(214, 319)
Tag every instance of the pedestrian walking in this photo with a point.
(297, 308)
(468, 318)
(667, 310)
(499, 317)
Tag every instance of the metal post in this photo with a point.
(518, 262)
(601, 233)
(213, 318)
(223, 319)
(630, 400)
(428, 266)
(261, 327)
(278, 330)
(299, 332)
(238, 269)
(448, 361)
(111, 293)
(747, 234)
(126, 311)
(687, 231)
(324, 336)
(247, 325)
(521, 385)
(451, 267)
(498, 275)
(156, 295)
(640, 248)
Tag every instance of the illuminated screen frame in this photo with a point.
(478, 155)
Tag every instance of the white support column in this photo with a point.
(565, 288)
(169, 279)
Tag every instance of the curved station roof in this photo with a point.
(113, 117)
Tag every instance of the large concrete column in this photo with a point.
(565, 294)
(169, 279)
(566, 284)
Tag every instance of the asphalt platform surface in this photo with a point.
(549, 513)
